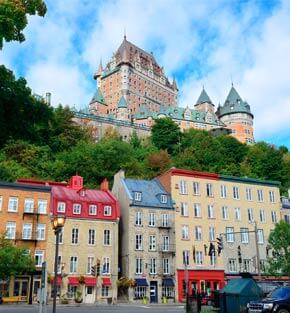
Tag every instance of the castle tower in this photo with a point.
(204, 103)
(122, 112)
(98, 105)
(236, 115)
(98, 74)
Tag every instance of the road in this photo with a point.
(122, 308)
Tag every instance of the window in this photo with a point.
(272, 196)
(73, 264)
(237, 214)
(165, 243)
(152, 219)
(1, 202)
(105, 291)
(139, 242)
(107, 237)
(92, 236)
(26, 231)
(107, 210)
(165, 266)
(92, 209)
(168, 292)
(90, 264)
(152, 266)
(249, 194)
(247, 265)
(61, 207)
(274, 217)
(209, 191)
(225, 215)
(40, 232)
(236, 193)
(13, 204)
(38, 257)
(244, 235)
(61, 235)
(250, 215)
(196, 191)
(230, 234)
(71, 291)
(211, 233)
(262, 216)
(213, 259)
(196, 210)
(185, 254)
(223, 191)
(28, 205)
(260, 236)
(139, 266)
(165, 220)
(260, 195)
(152, 242)
(139, 292)
(106, 265)
(137, 196)
(184, 232)
(163, 199)
(232, 265)
(210, 211)
(183, 187)
(184, 209)
(138, 219)
(77, 208)
(198, 233)
(75, 236)
(198, 258)
(42, 206)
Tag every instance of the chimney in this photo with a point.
(48, 98)
(105, 185)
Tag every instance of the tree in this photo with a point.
(279, 240)
(13, 17)
(13, 260)
(166, 135)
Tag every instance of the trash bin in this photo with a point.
(109, 300)
(237, 293)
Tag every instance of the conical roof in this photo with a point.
(122, 103)
(203, 98)
(98, 97)
(233, 96)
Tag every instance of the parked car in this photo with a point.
(277, 301)
(268, 287)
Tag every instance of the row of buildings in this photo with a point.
(132, 90)
(158, 233)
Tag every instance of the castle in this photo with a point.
(133, 90)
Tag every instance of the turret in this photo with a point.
(204, 102)
(122, 113)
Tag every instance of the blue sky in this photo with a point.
(199, 42)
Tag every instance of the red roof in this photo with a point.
(74, 281)
(107, 281)
(90, 281)
(182, 172)
(58, 280)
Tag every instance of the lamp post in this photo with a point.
(57, 224)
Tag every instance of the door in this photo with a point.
(21, 288)
(153, 292)
(90, 294)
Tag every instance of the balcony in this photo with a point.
(167, 248)
(26, 236)
(166, 225)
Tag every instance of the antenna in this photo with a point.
(125, 37)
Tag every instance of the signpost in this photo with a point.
(43, 289)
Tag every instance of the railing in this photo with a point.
(167, 248)
(168, 224)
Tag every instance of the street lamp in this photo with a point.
(57, 224)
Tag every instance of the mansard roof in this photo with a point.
(98, 97)
(203, 98)
(122, 103)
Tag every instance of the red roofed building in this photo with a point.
(88, 242)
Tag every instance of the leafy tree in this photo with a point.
(166, 135)
(159, 161)
(13, 17)
(279, 240)
(13, 259)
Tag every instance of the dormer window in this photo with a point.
(77, 208)
(82, 193)
(163, 199)
(138, 196)
(107, 210)
(61, 207)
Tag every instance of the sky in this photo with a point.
(210, 43)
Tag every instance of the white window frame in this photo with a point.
(138, 218)
(105, 291)
(13, 204)
(249, 194)
(211, 233)
(90, 264)
(61, 206)
(1, 203)
(152, 266)
(152, 243)
(210, 211)
(106, 268)
(93, 209)
(165, 266)
(139, 242)
(185, 257)
(138, 196)
(138, 266)
(230, 237)
(232, 265)
(184, 232)
(39, 257)
(152, 219)
(244, 235)
(225, 213)
(198, 258)
(77, 208)
(250, 215)
(26, 231)
(196, 210)
(274, 216)
(236, 193)
(196, 188)
(91, 237)
(107, 210)
(262, 216)
(42, 206)
(107, 237)
(260, 236)
(183, 187)
(198, 232)
(238, 214)
(165, 243)
(184, 209)
(209, 190)
(272, 196)
(260, 195)
(223, 191)
(74, 236)
(163, 198)
(40, 231)
(73, 265)
(28, 205)
(165, 220)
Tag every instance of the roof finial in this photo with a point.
(232, 81)
(125, 37)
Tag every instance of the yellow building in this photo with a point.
(231, 208)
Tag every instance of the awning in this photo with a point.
(106, 281)
(141, 282)
(73, 281)
(58, 280)
(90, 281)
(167, 282)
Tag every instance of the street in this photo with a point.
(122, 308)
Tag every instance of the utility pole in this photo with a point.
(257, 250)
(186, 286)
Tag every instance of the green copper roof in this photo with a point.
(234, 104)
(250, 180)
(98, 97)
(122, 103)
(203, 97)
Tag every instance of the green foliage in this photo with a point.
(13, 17)
(13, 259)
(279, 241)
